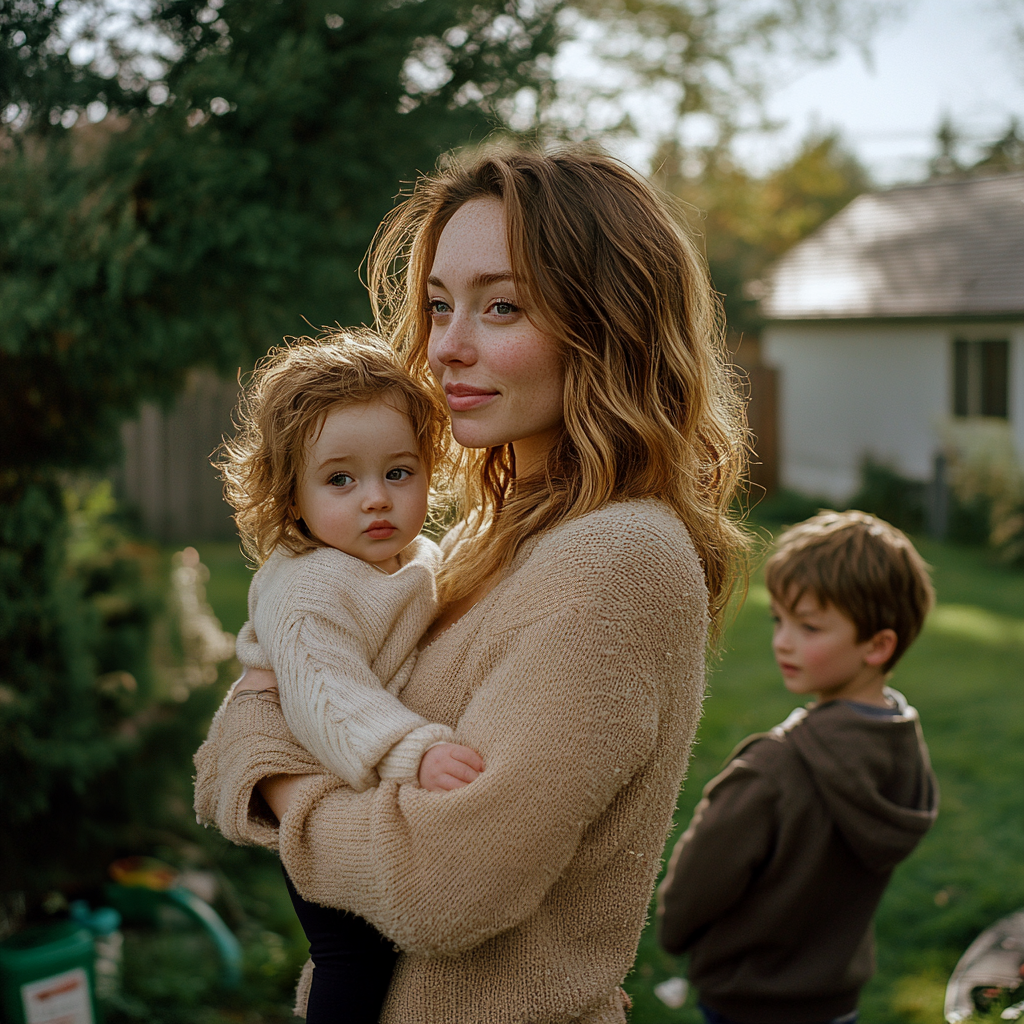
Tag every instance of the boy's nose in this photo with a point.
(781, 640)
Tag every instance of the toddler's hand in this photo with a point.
(449, 766)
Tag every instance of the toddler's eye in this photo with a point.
(398, 473)
(340, 480)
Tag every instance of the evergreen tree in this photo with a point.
(226, 194)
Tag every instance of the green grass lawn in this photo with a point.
(965, 677)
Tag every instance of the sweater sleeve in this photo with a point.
(729, 837)
(248, 649)
(339, 710)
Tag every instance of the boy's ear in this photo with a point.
(879, 649)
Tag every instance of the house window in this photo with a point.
(981, 378)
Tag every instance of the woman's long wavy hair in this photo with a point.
(651, 405)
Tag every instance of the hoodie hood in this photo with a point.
(873, 775)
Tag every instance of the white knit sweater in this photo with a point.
(341, 635)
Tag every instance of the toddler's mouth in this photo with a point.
(380, 529)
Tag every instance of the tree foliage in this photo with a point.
(1004, 155)
(698, 62)
(242, 166)
(749, 220)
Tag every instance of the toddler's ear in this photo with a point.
(879, 649)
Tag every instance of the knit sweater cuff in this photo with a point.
(248, 741)
(248, 650)
(402, 761)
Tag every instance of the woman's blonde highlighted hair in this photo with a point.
(283, 407)
(651, 407)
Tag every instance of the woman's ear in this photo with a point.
(879, 649)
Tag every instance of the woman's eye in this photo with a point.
(398, 473)
(438, 307)
(340, 480)
(504, 308)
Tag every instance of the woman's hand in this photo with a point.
(279, 790)
(449, 766)
(254, 679)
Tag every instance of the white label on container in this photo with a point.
(61, 999)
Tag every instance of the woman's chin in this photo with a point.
(470, 435)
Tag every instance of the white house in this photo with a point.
(903, 312)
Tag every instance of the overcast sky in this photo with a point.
(938, 57)
(944, 56)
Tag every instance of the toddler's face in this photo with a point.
(363, 489)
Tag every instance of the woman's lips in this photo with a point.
(462, 397)
(380, 529)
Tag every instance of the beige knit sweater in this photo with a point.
(520, 898)
(341, 635)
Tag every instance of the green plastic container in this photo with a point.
(47, 975)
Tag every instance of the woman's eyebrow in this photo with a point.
(478, 280)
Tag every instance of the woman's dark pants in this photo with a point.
(353, 962)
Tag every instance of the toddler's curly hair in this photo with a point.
(283, 406)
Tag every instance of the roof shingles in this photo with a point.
(947, 248)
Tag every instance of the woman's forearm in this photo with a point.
(248, 741)
(279, 791)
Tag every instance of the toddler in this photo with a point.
(329, 476)
(773, 887)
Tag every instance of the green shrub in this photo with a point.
(94, 750)
(885, 493)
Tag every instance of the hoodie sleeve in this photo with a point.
(732, 832)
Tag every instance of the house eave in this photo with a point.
(879, 318)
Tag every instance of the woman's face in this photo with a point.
(502, 376)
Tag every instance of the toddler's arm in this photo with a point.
(449, 766)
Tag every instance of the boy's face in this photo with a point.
(363, 488)
(818, 653)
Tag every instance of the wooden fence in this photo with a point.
(166, 476)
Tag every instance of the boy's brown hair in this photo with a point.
(284, 405)
(863, 566)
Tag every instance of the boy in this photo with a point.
(772, 888)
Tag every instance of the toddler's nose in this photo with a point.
(376, 498)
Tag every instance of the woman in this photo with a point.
(574, 333)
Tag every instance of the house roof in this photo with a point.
(945, 248)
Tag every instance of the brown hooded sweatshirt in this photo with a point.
(773, 886)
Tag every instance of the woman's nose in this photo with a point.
(454, 343)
